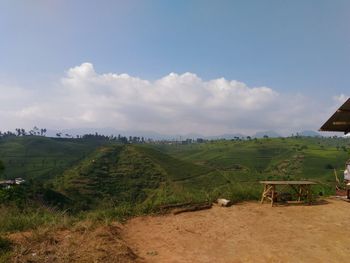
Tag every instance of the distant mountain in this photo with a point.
(270, 134)
(147, 134)
(159, 136)
(309, 133)
(111, 131)
(225, 136)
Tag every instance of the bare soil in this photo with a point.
(247, 232)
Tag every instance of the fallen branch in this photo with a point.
(192, 208)
(174, 205)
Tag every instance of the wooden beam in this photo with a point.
(338, 123)
(343, 110)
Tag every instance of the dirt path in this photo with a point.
(247, 232)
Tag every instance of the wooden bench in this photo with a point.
(301, 188)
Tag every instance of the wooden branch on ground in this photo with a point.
(174, 205)
(192, 208)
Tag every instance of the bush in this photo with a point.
(329, 166)
(5, 245)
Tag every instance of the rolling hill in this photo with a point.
(277, 158)
(131, 174)
(42, 158)
(95, 174)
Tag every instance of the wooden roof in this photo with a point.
(340, 120)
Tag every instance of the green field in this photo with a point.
(93, 171)
(106, 179)
(41, 158)
(244, 163)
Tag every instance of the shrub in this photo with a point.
(329, 166)
(5, 245)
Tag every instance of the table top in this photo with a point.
(288, 182)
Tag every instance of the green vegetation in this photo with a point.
(5, 249)
(14, 219)
(107, 180)
(41, 158)
(2, 167)
(111, 176)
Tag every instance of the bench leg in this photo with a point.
(272, 194)
(263, 194)
(300, 193)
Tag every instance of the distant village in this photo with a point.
(7, 184)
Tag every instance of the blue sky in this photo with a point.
(295, 48)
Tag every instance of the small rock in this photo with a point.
(223, 202)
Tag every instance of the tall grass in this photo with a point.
(13, 219)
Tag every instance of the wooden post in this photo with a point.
(309, 195)
(263, 194)
(272, 194)
(300, 192)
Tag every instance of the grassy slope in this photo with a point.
(116, 175)
(184, 180)
(156, 174)
(245, 163)
(40, 157)
(117, 181)
(111, 175)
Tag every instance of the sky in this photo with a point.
(207, 67)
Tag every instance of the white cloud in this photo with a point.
(340, 98)
(176, 103)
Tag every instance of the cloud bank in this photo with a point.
(173, 104)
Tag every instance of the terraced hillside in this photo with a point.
(246, 162)
(128, 174)
(41, 158)
(96, 174)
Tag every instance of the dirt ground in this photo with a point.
(247, 232)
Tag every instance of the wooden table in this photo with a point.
(301, 188)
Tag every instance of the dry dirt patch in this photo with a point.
(247, 232)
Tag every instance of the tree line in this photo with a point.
(35, 131)
(22, 132)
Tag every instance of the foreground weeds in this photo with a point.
(5, 249)
(13, 219)
(86, 241)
